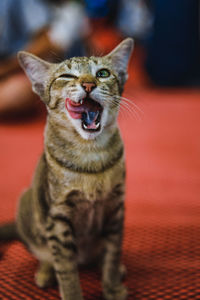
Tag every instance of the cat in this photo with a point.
(73, 213)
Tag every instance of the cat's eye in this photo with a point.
(103, 73)
(68, 76)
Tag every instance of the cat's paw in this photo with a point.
(45, 277)
(118, 292)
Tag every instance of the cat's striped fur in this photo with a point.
(74, 210)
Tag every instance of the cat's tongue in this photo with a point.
(88, 110)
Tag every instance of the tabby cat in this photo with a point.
(73, 212)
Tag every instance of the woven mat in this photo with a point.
(161, 244)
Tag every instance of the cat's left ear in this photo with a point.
(120, 57)
(37, 70)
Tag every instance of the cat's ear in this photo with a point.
(36, 69)
(120, 57)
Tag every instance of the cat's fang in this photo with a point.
(72, 103)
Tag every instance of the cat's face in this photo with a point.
(83, 93)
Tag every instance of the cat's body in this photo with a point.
(73, 213)
(88, 194)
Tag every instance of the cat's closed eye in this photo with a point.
(68, 76)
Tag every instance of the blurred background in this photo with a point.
(161, 131)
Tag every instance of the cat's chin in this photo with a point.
(88, 134)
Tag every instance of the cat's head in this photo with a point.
(81, 93)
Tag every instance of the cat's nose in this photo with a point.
(88, 86)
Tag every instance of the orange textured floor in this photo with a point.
(162, 230)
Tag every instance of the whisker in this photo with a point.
(125, 105)
(122, 113)
(122, 109)
(132, 103)
(131, 108)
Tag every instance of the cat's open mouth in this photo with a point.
(88, 110)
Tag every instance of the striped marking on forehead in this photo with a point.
(83, 65)
(80, 64)
(79, 60)
(75, 65)
(68, 64)
(87, 64)
(95, 60)
(64, 67)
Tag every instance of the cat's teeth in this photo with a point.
(81, 101)
(97, 126)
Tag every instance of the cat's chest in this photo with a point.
(92, 186)
(88, 218)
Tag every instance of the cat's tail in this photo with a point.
(8, 232)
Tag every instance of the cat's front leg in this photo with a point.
(61, 242)
(113, 289)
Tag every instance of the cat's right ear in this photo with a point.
(36, 69)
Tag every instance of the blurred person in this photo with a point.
(167, 29)
(104, 35)
(112, 20)
(134, 19)
(47, 28)
(173, 50)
